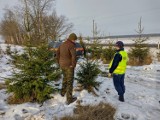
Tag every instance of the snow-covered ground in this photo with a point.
(142, 98)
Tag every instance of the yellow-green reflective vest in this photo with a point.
(121, 68)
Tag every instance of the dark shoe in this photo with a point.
(73, 100)
(121, 98)
(62, 95)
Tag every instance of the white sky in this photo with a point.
(113, 17)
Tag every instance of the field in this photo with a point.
(142, 98)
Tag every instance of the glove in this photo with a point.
(109, 75)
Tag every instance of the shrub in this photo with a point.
(96, 53)
(108, 53)
(139, 56)
(98, 112)
(83, 45)
(95, 49)
(8, 50)
(140, 52)
(158, 55)
(86, 75)
(2, 86)
(34, 70)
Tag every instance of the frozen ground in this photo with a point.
(142, 98)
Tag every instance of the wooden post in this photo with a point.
(93, 29)
(158, 45)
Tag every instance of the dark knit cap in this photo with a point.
(72, 36)
(120, 44)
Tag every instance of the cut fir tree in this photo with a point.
(87, 74)
(35, 69)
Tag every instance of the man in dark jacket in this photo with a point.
(117, 67)
(66, 57)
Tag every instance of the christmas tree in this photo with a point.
(87, 74)
(108, 53)
(35, 68)
(140, 53)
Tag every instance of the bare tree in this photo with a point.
(36, 23)
(34, 11)
(56, 26)
(9, 28)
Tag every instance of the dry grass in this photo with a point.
(136, 62)
(105, 61)
(158, 56)
(99, 112)
(3, 86)
(12, 100)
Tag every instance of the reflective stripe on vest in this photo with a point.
(121, 68)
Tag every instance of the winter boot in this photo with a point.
(73, 100)
(121, 98)
(62, 95)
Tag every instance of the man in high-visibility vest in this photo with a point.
(117, 68)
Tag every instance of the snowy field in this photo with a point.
(142, 98)
(152, 40)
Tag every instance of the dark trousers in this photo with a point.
(118, 81)
(67, 84)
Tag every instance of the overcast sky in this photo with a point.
(114, 17)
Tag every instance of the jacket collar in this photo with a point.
(122, 49)
(68, 40)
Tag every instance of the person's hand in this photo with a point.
(109, 75)
(71, 66)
